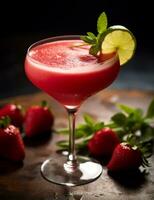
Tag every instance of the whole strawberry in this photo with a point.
(11, 144)
(125, 157)
(38, 120)
(103, 142)
(14, 112)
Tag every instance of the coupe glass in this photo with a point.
(70, 89)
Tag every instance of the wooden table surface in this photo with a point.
(24, 182)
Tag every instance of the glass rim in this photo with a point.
(51, 39)
(113, 59)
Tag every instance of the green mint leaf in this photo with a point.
(84, 38)
(102, 23)
(79, 133)
(130, 110)
(126, 109)
(64, 131)
(147, 133)
(150, 111)
(100, 38)
(91, 40)
(94, 49)
(83, 140)
(63, 144)
(133, 122)
(119, 119)
(88, 39)
(88, 119)
(138, 112)
(92, 35)
(148, 120)
(98, 126)
(86, 129)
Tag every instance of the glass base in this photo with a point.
(59, 172)
(69, 196)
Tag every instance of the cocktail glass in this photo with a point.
(62, 67)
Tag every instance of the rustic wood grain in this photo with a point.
(22, 181)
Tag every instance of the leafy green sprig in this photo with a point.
(136, 128)
(96, 40)
(130, 124)
(83, 133)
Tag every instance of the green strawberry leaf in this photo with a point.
(44, 103)
(5, 121)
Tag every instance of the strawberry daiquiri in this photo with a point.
(63, 68)
(71, 69)
(66, 71)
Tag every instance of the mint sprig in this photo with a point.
(83, 133)
(92, 39)
(130, 124)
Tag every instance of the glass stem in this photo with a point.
(71, 160)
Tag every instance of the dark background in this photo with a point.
(24, 22)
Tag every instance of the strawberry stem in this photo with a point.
(5, 121)
(44, 103)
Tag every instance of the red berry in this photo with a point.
(38, 120)
(103, 142)
(124, 157)
(11, 143)
(14, 112)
